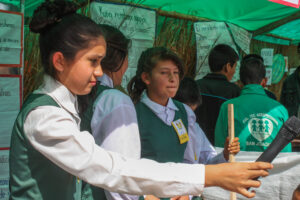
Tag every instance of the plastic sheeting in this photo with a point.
(279, 185)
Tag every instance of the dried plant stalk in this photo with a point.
(32, 63)
(177, 35)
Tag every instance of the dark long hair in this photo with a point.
(62, 30)
(117, 48)
(147, 61)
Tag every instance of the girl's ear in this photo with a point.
(58, 61)
(145, 78)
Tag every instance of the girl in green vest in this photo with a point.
(49, 155)
(168, 129)
(108, 113)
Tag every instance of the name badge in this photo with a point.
(181, 131)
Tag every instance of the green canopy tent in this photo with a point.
(268, 21)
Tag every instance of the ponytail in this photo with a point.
(135, 88)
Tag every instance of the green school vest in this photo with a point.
(32, 175)
(86, 117)
(159, 141)
(90, 192)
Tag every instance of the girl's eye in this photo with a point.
(176, 72)
(163, 72)
(94, 62)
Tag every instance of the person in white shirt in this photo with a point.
(110, 114)
(48, 150)
(167, 127)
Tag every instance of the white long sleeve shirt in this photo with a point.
(114, 127)
(198, 149)
(54, 132)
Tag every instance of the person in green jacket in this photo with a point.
(257, 118)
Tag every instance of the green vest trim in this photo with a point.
(32, 175)
(159, 141)
(86, 117)
(90, 192)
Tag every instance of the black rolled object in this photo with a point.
(289, 130)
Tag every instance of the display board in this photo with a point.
(10, 104)
(4, 173)
(209, 34)
(11, 39)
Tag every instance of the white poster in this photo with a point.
(269, 75)
(286, 60)
(11, 36)
(10, 100)
(279, 185)
(242, 37)
(4, 174)
(267, 55)
(292, 70)
(208, 35)
(138, 24)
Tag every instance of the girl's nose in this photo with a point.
(98, 71)
(171, 77)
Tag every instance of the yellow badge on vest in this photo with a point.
(181, 131)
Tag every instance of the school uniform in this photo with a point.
(257, 119)
(160, 140)
(113, 124)
(48, 151)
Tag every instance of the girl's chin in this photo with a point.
(172, 94)
(85, 92)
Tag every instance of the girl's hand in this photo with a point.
(232, 148)
(151, 197)
(236, 177)
(180, 198)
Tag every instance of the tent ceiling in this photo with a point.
(250, 15)
(258, 16)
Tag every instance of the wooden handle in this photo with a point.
(231, 128)
(231, 137)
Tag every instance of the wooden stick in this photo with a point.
(231, 137)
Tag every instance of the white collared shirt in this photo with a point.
(114, 126)
(114, 123)
(198, 145)
(54, 132)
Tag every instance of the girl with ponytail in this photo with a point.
(168, 129)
